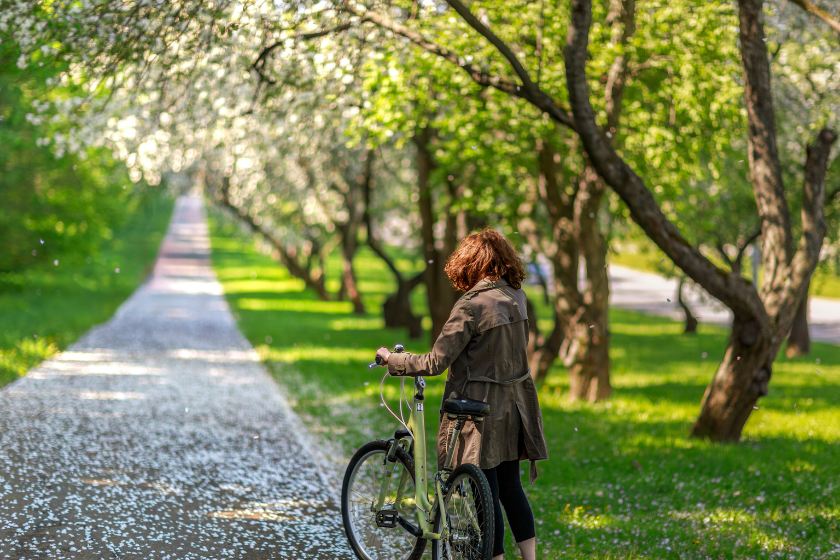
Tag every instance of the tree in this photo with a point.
(396, 310)
(491, 56)
(761, 320)
(690, 319)
(580, 316)
(805, 84)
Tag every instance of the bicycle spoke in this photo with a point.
(463, 518)
(364, 498)
(379, 543)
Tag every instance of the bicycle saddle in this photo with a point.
(463, 405)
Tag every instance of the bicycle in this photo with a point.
(395, 521)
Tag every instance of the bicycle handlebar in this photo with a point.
(399, 348)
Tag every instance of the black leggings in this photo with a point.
(506, 487)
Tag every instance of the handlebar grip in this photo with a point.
(378, 362)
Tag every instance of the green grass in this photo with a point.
(623, 480)
(47, 307)
(825, 283)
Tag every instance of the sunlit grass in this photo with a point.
(23, 356)
(274, 286)
(324, 354)
(47, 307)
(295, 305)
(624, 481)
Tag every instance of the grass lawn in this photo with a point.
(47, 307)
(623, 480)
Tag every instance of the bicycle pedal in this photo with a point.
(387, 518)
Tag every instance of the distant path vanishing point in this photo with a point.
(160, 436)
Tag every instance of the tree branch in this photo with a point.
(814, 229)
(625, 10)
(494, 40)
(416, 280)
(825, 16)
(747, 242)
(776, 52)
(765, 166)
(533, 94)
(539, 44)
(722, 252)
(367, 219)
(729, 288)
(299, 37)
(649, 63)
(295, 269)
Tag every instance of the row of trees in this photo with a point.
(329, 125)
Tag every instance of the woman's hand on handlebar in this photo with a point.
(383, 353)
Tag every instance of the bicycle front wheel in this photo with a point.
(468, 526)
(360, 494)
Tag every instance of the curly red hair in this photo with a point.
(484, 254)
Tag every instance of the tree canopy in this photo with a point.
(709, 124)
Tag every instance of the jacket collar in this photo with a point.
(485, 284)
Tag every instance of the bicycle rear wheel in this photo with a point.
(469, 522)
(360, 491)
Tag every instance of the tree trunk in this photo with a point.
(349, 242)
(546, 351)
(741, 379)
(581, 333)
(799, 341)
(342, 291)
(575, 234)
(589, 372)
(397, 308)
(690, 320)
(440, 295)
(535, 338)
(349, 282)
(557, 241)
(581, 319)
(587, 358)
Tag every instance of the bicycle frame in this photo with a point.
(424, 508)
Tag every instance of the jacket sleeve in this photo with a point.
(454, 337)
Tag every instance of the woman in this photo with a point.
(484, 345)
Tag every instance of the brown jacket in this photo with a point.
(484, 345)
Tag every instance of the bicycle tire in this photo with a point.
(362, 551)
(463, 542)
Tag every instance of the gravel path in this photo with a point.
(159, 435)
(651, 293)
